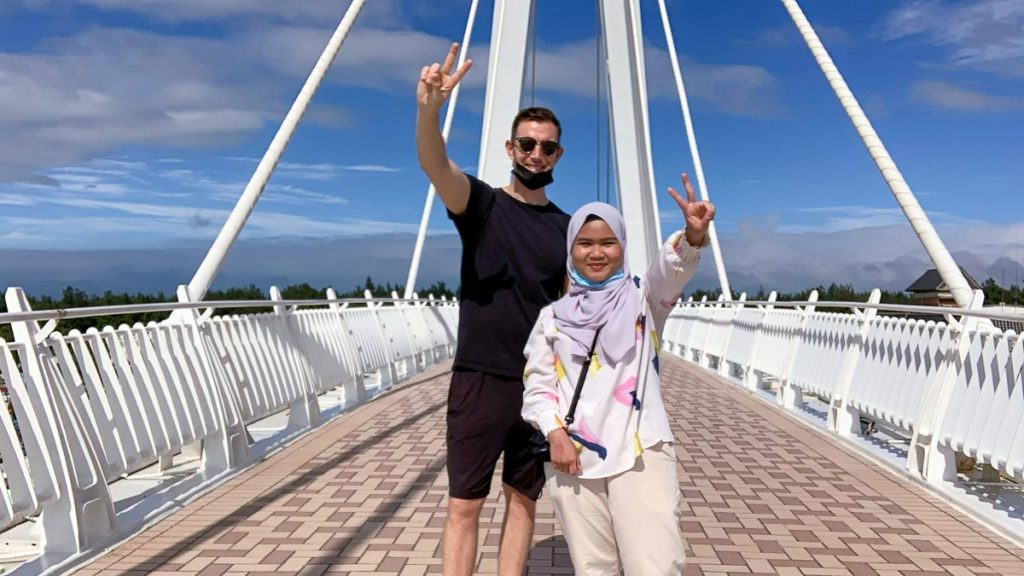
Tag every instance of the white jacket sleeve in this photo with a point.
(667, 276)
(541, 401)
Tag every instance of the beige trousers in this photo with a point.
(628, 523)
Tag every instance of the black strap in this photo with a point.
(571, 416)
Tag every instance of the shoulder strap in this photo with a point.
(571, 416)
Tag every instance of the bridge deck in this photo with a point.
(763, 494)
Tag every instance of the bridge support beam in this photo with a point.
(627, 100)
(506, 70)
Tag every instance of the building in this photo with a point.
(931, 290)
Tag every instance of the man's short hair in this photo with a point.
(536, 114)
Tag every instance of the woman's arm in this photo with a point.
(541, 401)
(668, 274)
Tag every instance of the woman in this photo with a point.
(612, 476)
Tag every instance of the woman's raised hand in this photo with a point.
(698, 215)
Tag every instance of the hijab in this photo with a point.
(589, 306)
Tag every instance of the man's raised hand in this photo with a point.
(437, 81)
(698, 215)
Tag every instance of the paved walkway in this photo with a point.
(763, 495)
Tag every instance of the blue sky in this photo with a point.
(129, 128)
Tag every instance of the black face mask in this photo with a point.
(531, 180)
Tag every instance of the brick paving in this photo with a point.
(763, 494)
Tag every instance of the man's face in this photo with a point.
(538, 138)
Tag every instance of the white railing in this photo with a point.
(952, 383)
(86, 409)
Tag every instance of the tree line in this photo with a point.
(72, 297)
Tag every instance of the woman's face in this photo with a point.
(596, 252)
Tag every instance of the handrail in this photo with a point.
(909, 308)
(97, 311)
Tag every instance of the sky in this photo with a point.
(129, 128)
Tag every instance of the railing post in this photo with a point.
(354, 390)
(304, 409)
(750, 378)
(83, 514)
(791, 396)
(695, 357)
(389, 373)
(723, 363)
(229, 446)
(935, 463)
(705, 356)
(843, 418)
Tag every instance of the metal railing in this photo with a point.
(85, 409)
(953, 386)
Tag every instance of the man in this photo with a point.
(513, 264)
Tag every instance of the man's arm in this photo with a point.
(435, 85)
(448, 180)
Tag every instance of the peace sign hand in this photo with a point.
(698, 215)
(437, 82)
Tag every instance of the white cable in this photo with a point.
(723, 279)
(933, 245)
(247, 202)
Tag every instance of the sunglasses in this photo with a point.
(527, 144)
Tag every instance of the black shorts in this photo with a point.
(483, 422)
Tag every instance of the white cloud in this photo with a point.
(288, 194)
(371, 168)
(983, 34)
(328, 171)
(97, 91)
(87, 94)
(844, 218)
(887, 257)
(339, 261)
(220, 10)
(102, 89)
(16, 199)
(153, 224)
(740, 89)
(18, 237)
(947, 96)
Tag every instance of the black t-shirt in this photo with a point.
(513, 264)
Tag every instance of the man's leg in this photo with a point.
(516, 532)
(475, 440)
(523, 480)
(461, 532)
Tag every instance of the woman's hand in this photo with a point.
(698, 215)
(564, 456)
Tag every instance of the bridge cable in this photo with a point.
(933, 244)
(698, 168)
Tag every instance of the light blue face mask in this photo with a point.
(583, 281)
